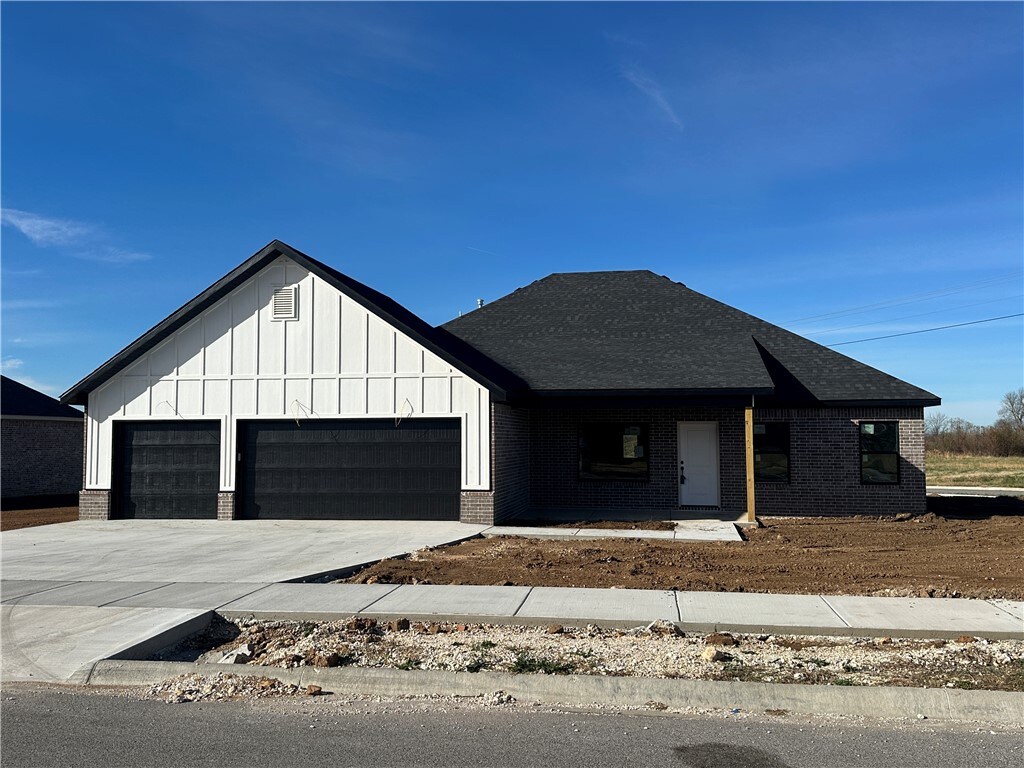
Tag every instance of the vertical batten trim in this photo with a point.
(366, 343)
(311, 314)
(341, 336)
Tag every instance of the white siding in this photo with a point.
(335, 360)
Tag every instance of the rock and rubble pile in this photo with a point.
(659, 649)
(185, 688)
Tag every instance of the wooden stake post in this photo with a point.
(748, 429)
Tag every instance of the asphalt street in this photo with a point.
(46, 725)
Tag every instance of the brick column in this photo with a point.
(476, 507)
(94, 505)
(226, 505)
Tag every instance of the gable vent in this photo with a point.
(286, 303)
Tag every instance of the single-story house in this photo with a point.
(289, 390)
(41, 444)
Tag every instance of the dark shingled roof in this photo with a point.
(16, 399)
(616, 332)
(589, 333)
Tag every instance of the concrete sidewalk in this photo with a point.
(697, 611)
(972, 490)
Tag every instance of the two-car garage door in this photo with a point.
(311, 469)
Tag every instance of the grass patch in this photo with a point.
(410, 663)
(959, 469)
(525, 664)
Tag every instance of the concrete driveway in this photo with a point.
(254, 551)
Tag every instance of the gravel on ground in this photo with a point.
(658, 650)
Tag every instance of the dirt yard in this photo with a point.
(955, 469)
(940, 556)
(12, 519)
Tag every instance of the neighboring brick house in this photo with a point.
(40, 447)
(289, 390)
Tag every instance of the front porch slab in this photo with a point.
(691, 530)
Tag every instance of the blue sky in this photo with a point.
(844, 170)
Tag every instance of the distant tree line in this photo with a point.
(1004, 438)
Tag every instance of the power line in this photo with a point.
(907, 299)
(909, 317)
(927, 330)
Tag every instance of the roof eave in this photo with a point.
(909, 402)
(498, 390)
(656, 392)
(78, 394)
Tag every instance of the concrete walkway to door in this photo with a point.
(246, 551)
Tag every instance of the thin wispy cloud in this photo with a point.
(653, 90)
(23, 272)
(89, 241)
(44, 230)
(47, 339)
(481, 250)
(11, 367)
(114, 256)
(11, 304)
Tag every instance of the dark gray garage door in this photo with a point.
(166, 469)
(354, 469)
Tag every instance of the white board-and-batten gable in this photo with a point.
(335, 359)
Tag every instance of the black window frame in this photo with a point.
(610, 428)
(861, 452)
(785, 440)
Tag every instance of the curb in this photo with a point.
(1004, 707)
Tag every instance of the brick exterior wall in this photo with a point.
(554, 461)
(510, 461)
(510, 466)
(40, 457)
(226, 505)
(94, 505)
(824, 464)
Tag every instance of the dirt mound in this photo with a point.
(927, 555)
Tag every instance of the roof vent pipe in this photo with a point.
(479, 303)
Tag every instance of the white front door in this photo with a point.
(698, 463)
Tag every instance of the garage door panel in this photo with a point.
(167, 470)
(356, 469)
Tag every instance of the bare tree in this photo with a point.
(936, 424)
(1012, 407)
